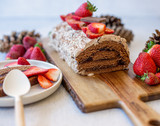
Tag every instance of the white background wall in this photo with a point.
(50, 8)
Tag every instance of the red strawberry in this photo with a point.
(97, 27)
(144, 64)
(85, 10)
(22, 61)
(154, 52)
(52, 74)
(158, 75)
(18, 48)
(63, 17)
(84, 29)
(12, 55)
(68, 16)
(28, 53)
(150, 79)
(75, 17)
(37, 54)
(109, 31)
(34, 70)
(93, 35)
(29, 42)
(10, 64)
(44, 82)
(76, 25)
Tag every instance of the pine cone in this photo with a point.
(112, 21)
(155, 38)
(124, 33)
(118, 27)
(15, 38)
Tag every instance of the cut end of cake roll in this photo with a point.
(89, 56)
(106, 54)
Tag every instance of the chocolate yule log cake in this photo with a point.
(89, 48)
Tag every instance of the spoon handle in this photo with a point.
(19, 111)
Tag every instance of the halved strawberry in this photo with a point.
(44, 82)
(77, 18)
(97, 27)
(63, 17)
(109, 31)
(52, 74)
(91, 35)
(84, 29)
(11, 64)
(76, 25)
(22, 61)
(35, 71)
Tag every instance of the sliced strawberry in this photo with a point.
(22, 61)
(97, 27)
(109, 31)
(68, 16)
(84, 29)
(76, 25)
(77, 18)
(52, 74)
(35, 71)
(11, 64)
(63, 17)
(91, 35)
(44, 82)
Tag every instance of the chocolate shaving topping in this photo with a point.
(94, 19)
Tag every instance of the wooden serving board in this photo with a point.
(116, 89)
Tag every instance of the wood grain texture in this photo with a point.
(116, 89)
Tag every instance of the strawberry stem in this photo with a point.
(149, 46)
(91, 7)
(144, 76)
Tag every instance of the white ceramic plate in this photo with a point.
(36, 93)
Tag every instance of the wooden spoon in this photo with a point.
(17, 84)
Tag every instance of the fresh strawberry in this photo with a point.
(76, 25)
(158, 75)
(84, 29)
(52, 74)
(144, 64)
(37, 54)
(39, 44)
(34, 70)
(11, 64)
(154, 52)
(22, 61)
(12, 55)
(44, 82)
(97, 27)
(150, 79)
(28, 53)
(109, 31)
(85, 10)
(63, 17)
(18, 48)
(68, 16)
(75, 17)
(29, 42)
(91, 35)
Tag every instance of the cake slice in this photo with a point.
(89, 56)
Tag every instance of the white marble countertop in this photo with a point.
(59, 109)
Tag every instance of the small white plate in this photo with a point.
(36, 93)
